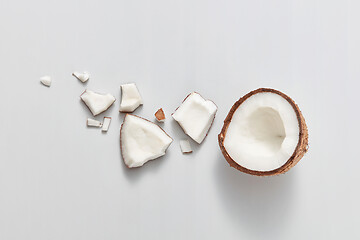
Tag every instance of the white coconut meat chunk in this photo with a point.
(96, 102)
(263, 132)
(83, 77)
(106, 124)
(195, 116)
(46, 80)
(130, 98)
(185, 146)
(93, 123)
(141, 141)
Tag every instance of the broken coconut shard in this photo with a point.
(160, 115)
(195, 115)
(185, 146)
(46, 80)
(130, 98)
(96, 102)
(264, 133)
(141, 141)
(93, 123)
(106, 124)
(83, 77)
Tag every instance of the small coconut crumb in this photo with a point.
(160, 115)
(83, 77)
(46, 80)
(185, 146)
(93, 123)
(106, 124)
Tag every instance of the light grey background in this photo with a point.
(61, 180)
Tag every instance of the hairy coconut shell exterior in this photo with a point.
(300, 149)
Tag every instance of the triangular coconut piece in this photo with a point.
(141, 141)
(264, 133)
(96, 102)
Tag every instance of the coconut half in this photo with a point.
(130, 98)
(264, 133)
(141, 141)
(195, 116)
(96, 102)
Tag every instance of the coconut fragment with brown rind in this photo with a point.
(160, 115)
(142, 141)
(195, 116)
(185, 146)
(83, 77)
(93, 123)
(106, 124)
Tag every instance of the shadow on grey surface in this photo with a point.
(259, 205)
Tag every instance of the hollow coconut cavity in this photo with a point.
(264, 133)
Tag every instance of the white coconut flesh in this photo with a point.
(195, 116)
(130, 98)
(46, 80)
(106, 124)
(263, 132)
(93, 123)
(185, 146)
(83, 77)
(142, 141)
(97, 103)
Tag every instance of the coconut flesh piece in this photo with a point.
(97, 103)
(46, 80)
(130, 98)
(264, 133)
(93, 123)
(83, 77)
(195, 115)
(141, 141)
(160, 115)
(185, 146)
(106, 124)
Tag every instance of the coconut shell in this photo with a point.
(300, 149)
(160, 115)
